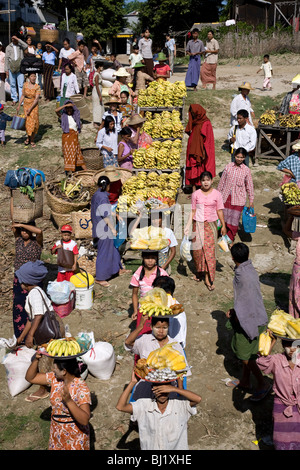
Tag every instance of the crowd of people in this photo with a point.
(213, 213)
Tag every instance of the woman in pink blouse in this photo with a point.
(285, 368)
(294, 288)
(235, 184)
(207, 208)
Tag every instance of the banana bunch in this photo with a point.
(139, 158)
(63, 347)
(149, 308)
(268, 118)
(160, 155)
(166, 356)
(162, 93)
(291, 193)
(164, 125)
(283, 324)
(264, 343)
(289, 120)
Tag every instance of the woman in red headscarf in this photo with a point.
(200, 154)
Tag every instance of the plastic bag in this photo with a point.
(100, 360)
(223, 243)
(59, 292)
(16, 364)
(120, 238)
(156, 295)
(249, 220)
(185, 249)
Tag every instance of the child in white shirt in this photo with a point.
(268, 72)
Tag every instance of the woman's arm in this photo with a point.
(98, 89)
(172, 253)
(193, 398)
(189, 222)
(130, 340)
(120, 152)
(222, 220)
(287, 228)
(122, 404)
(81, 413)
(31, 228)
(33, 376)
(135, 302)
(29, 340)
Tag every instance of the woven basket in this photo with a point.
(93, 159)
(61, 219)
(87, 180)
(82, 224)
(25, 210)
(125, 174)
(89, 265)
(61, 206)
(49, 35)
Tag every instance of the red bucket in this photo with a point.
(64, 310)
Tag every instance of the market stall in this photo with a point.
(276, 135)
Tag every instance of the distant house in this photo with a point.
(257, 12)
(121, 43)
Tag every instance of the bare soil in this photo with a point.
(226, 419)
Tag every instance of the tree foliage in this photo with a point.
(95, 19)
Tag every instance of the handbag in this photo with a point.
(49, 327)
(249, 220)
(18, 123)
(65, 258)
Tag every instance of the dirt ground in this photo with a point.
(226, 419)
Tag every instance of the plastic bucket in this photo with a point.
(84, 287)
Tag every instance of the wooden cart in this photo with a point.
(279, 142)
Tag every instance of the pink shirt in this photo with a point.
(296, 236)
(146, 283)
(206, 206)
(162, 69)
(286, 381)
(237, 181)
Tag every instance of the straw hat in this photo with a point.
(296, 146)
(121, 72)
(113, 100)
(112, 173)
(134, 120)
(161, 56)
(246, 86)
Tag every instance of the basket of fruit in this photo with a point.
(66, 196)
(27, 202)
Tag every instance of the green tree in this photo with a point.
(95, 19)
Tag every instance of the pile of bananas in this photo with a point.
(160, 155)
(166, 356)
(268, 118)
(63, 347)
(289, 120)
(264, 343)
(162, 93)
(143, 187)
(148, 238)
(291, 193)
(283, 324)
(149, 308)
(163, 125)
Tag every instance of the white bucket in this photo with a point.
(84, 297)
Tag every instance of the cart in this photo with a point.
(275, 142)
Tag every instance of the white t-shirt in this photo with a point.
(163, 431)
(135, 58)
(34, 304)
(107, 140)
(170, 236)
(64, 53)
(267, 68)
(237, 104)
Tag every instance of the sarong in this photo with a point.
(286, 430)
(108, 261)
(294, 291)
(149, 66)
(71, 150)
(193, 72)
(204, 247)
(232, 216)
(208, 73)
(20, 315)
(49, 91)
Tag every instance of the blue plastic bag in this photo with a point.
(249, 220)
(121, 234)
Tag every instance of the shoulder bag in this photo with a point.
(65, 258)
(49, 327)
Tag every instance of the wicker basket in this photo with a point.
(125, 174)
(82, 224)
(25, 210)
(87, 180)
(49, 35)
(61, 219)
(87, 264)
(61, 206)
(93, 159)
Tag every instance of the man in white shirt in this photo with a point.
(241, 101)
(242, 135)
(145, 48)
(162, 420)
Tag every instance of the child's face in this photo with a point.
(150, 262)
(111, 126)
(266, 60)
(113, 107)
(206, 183)
(123, 98)
(66, 236)
(39, 45)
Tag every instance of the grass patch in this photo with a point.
(13, 426)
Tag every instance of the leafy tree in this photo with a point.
(95, 19)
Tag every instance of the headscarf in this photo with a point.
(197, 117)
(75, 115)
(32, 273)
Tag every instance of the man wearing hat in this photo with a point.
(241, 101)
(161, 70)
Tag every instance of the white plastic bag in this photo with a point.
(100, 360)
(223, 243)
(108, 74)
(16, 364)
(59, 292)
(185, 249)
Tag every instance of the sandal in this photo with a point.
(31, 398)
(33, 145)
(103, 283)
